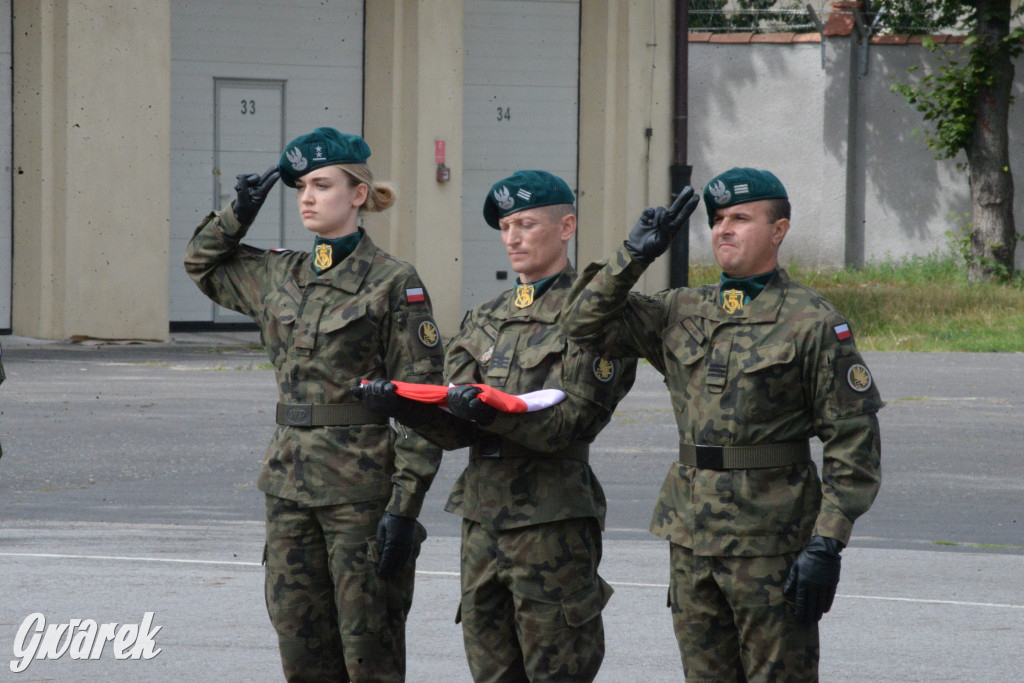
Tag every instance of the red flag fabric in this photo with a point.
(508, 403)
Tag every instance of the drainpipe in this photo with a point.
(679, 252)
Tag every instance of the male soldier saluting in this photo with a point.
(532, 508)
(755, 366)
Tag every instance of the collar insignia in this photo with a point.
(732, 300)
(323, 257)
(524, 296)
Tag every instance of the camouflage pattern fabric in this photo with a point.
(547, 626)
(336, 619)
(324, 334)
(518, 502)
(518, 351)
(782, 368)
(774, 371)
(736, 623)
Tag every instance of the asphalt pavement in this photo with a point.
(127, 487)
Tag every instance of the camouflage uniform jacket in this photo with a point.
(518, 351)
(775, 371)
(324, 334)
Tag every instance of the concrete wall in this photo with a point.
(863, 187)
(626, 89)
(413, 96)
(91, 103)
(91, 107)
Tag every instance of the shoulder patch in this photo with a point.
(428, 334)
(859, 377)
(843, 332)
(604, 370)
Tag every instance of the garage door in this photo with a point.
(243, 83)
(521, 106)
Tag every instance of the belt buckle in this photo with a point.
(710, 457)
(299, 415)
(490, 447)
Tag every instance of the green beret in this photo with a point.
(739, 186)
(524, 190)
(322, 147)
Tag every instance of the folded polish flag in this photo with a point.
(508, 403)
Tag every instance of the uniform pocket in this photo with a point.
(339, 317)
(772, 382)
(685, 343)
(534, 355)
(587, 604)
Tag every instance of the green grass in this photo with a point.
(916, 304)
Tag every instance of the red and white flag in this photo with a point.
(508, 403)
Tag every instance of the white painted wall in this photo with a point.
(773, 106)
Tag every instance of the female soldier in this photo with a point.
(342, 489)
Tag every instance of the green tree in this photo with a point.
(967, 100)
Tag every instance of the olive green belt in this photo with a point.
(496, 447)
(326, 414)
(745, 457)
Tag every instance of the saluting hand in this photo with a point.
(652, 234)
(252, 191)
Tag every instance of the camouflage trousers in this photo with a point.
(336, 620)
(532, 600)
(733, 623)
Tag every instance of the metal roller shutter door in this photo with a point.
(245, 79)
(521, 110)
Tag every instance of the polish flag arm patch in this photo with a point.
(843, 332)
(414, 295)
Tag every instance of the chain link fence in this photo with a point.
(775, 16)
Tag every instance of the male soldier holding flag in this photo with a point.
(532, 508)
(755, 365)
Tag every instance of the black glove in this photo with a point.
(252, 192)
(463, 402)
(395, 539)
(814, 577)
(652, 234)
(379, 396)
